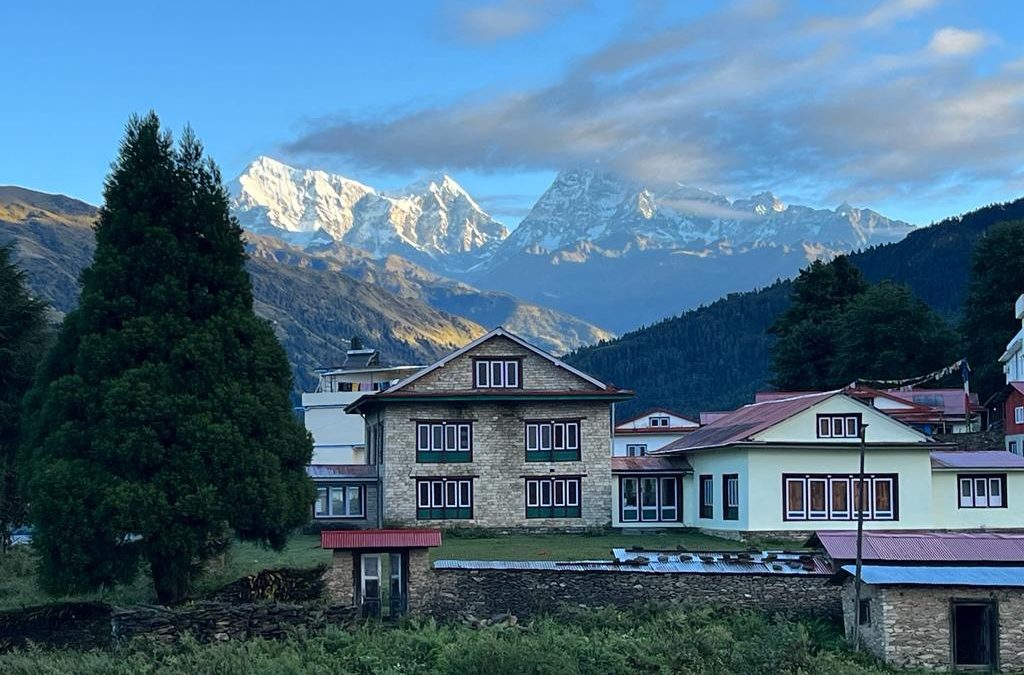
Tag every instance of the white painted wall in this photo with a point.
(717, 463)
(948, 515)
(1013, 359)
(338, 438)
(652, 441)
(645, 422)
(802, 427)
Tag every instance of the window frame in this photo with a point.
(486, 365)
(850, 489)
(826, 425)
(546, 434)
(730, 511)
(554, 497)
(1018, 414)
(440, 490)
(706, 487)
(435, 433)
(346, 488)
(636, 449)
(988, 480)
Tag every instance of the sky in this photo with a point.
(914, 108)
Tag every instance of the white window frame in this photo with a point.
(838, 425)
(1018, 414)
(542, 437)
(850, 486)
(328, 492)
(625, 514)
(497, 373)
(553, 492)
(977, 485)
(444, 436)
(636, 449)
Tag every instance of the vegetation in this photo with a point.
(716, 357)
(642, 639)
(160, 421)
(997, 278)
(21, 330)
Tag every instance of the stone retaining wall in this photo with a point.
(483, 593)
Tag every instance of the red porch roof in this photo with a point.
(364, 539)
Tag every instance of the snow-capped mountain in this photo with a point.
(433, 221)
(613, 216)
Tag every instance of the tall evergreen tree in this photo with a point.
(997, 279)
(160, 421)
(803, 356)
(888, 333)
(21, 333)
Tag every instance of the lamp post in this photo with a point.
(861, 498)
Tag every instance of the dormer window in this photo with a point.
(497, 373)
(660, 421)
(839, 426)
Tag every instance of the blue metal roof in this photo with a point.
(939, 576)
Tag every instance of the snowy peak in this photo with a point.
(433, 220)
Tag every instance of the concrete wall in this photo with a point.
(948, 516)
(653, 441)
(338, 438)
(483, 593)
(499, 465)
(803, 427)
(717, 463)
(911, 625)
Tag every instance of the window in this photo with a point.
(839, 426)
(730, 497)
(707, 497)
(1013, 447)
(444, 441)
(636, 450)
(339, 501)
(982, 492)
(837, 497)
(649, 499)
(498, 373)
(444, 498)
(1018, 414)
(554, 441)
(864, 613)
(553, 498)
(660, 421)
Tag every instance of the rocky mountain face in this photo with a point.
(317, 298)
(609, 250)
(433, 221)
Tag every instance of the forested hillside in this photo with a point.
(717, 356)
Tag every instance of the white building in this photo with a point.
(650, 431)
(1013, 358)
(1012, 397)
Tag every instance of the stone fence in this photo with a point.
(460, 591)
(98, 625)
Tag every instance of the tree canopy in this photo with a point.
(160, 421)
(22, 329)
(997, 279)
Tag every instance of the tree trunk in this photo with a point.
(171, 578)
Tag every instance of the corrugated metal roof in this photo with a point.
(362, 539)
(939, 576)
(976, 459)
(741, 424)
(341, 471)
(950, 401)
(945, 547)
(649, 463)
(670, 562)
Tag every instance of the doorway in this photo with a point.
(378, 599)
(975, 634)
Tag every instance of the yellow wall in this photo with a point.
(945, 501)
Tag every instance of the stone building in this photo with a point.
(498, 434)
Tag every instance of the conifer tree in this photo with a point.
(21, 333)
(160, 422)
(997, 279)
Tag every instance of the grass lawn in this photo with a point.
(19, 588)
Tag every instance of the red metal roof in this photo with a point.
(947, 401)
(363, 539)
(648, 463)
(976, 459)
(925, 547)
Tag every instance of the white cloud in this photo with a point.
(749, 97)
(957, 42)
(504, 19)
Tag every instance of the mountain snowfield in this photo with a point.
(433, 221)
(606, 249)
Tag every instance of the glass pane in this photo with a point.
(482, 372)
(840, 497)
(321, 501)
(649, 492)
(851, 427)
(531, 437)
(512, 373)
(824, 427)
(465, 442)
(450, 435)
(572, 440)
(559, 487)
(995, 492)
(883, 496)
(371, 566)
(629, 492)
(795, 496)
(545, 436)
(572, 492)
(438, 437)
(531, 493)
(497, 376)
(338, 501)
(816, 488)
(559, 429)
(979, 487)
(355, 501)
(438, 493)
(424, 498)
(465, 493)
(545, 493)
(668, 491)
(451, 493)
(837, 427)
(706, 491)
(424, 437)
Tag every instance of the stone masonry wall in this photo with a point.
(499, 465)
(339, 578)
(484, 593)
(911, 628)
(537, 372)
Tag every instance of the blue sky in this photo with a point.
(912, 107)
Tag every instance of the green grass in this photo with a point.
(639, 640)
(19, 587)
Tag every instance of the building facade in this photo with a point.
(1013, 402)
(791, 465)
(498, 434)
(649, 431)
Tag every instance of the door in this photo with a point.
(975, 634)
(397, 590)
(369, 584)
